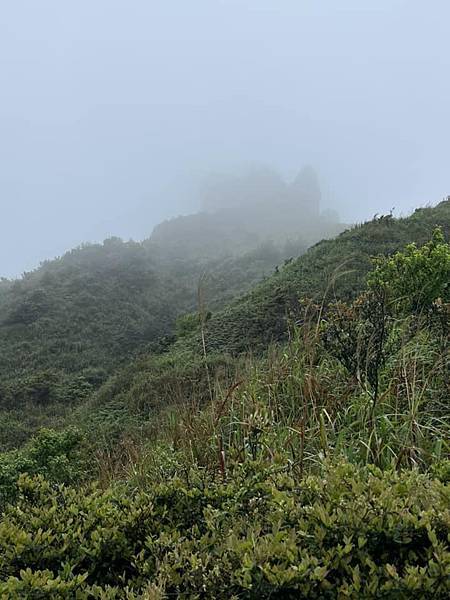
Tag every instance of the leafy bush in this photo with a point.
(59, 456)
(344, 533)
(415, 277)
(356, 334)
(187, 324)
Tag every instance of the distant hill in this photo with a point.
(83, 314)
(241, 211)
(79, 316)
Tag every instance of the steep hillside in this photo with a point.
(332, 268)
(83, 314)
(67, 326)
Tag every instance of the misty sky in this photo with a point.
(111, 112)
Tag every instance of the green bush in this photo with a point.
(58, 456)
(415, 277)
(186, 324)
(346, 533)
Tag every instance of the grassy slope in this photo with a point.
(334, 267)
(93, 309)
(259, 317)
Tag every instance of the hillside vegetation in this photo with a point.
(332, 269)
(292, 444)
(66, 327)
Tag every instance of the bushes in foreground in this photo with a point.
(347, 532)
(60, 456)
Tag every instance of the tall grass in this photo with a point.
(299, 405)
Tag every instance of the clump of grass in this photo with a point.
(298, 406)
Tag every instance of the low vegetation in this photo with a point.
(346, 532)
(294, 444)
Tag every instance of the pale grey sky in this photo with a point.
(111, 111)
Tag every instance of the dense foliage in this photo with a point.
(61, 457)
(314, 466)
(416, 277)
(346, 533)
(67, 326)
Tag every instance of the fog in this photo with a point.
(112, 113)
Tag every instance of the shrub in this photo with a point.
(59, 456)
(347, 532)
(415, 277)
